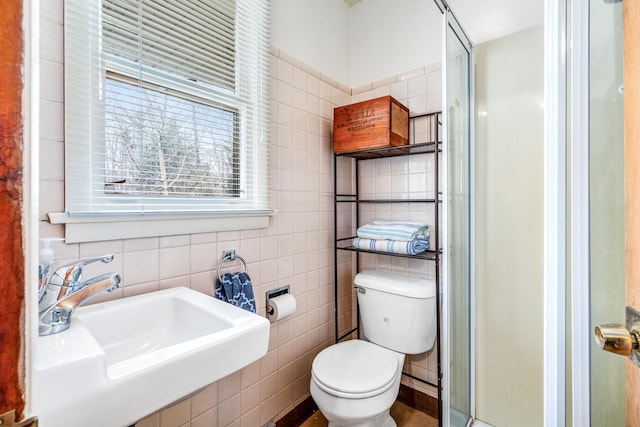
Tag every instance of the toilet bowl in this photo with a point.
(354, 383)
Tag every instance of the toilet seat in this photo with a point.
(355, 369)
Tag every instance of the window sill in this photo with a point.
(98, 227)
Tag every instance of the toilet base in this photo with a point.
(368, 412)
(382, 420)
(370, 409)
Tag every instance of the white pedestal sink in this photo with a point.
(123, 360)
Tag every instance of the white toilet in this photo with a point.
(354, 383)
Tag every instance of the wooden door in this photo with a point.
(631, 12)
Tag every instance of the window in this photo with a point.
(163, 144)
(165, 108)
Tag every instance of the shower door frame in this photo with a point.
(450, 23)
(555, 209)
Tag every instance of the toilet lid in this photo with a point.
(355, 367)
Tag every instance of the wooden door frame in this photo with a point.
(631, 15)
(12, 288)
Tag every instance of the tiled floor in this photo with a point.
(404, 416)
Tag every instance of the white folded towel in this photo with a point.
(411, 247)
(402, 231)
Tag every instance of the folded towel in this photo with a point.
(412, 247)
(393, 230)
(236, 289)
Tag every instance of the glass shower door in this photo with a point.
(458, 240)
(607, 206)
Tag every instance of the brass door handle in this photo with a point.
(621, 339)
(618, 339)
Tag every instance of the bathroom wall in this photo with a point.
(509, 239)
(391, 37)
(369, 42)
(314, 32)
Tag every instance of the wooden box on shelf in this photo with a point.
(378, 123)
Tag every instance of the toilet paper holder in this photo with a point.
(275, 293)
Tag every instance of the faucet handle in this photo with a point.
(71, 273)
(74, 270)
(107, 282)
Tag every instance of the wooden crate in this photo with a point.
(377, 123)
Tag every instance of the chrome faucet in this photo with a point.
(64, 291)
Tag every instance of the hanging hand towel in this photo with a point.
(403, 231)
(236, 289)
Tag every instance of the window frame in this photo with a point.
(249, 210)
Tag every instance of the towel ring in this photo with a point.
(230, 256)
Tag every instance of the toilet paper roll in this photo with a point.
(281, 306)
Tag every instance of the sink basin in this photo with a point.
(123, 360)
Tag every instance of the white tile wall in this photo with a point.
(295, 249)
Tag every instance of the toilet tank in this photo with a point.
(397, 311)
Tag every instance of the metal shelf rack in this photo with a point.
(343, 243)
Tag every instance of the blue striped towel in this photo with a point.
(402, 231)
(236, 289)
(412, 247)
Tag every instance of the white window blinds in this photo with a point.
(166, 106)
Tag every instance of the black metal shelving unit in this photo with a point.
(342, 243)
